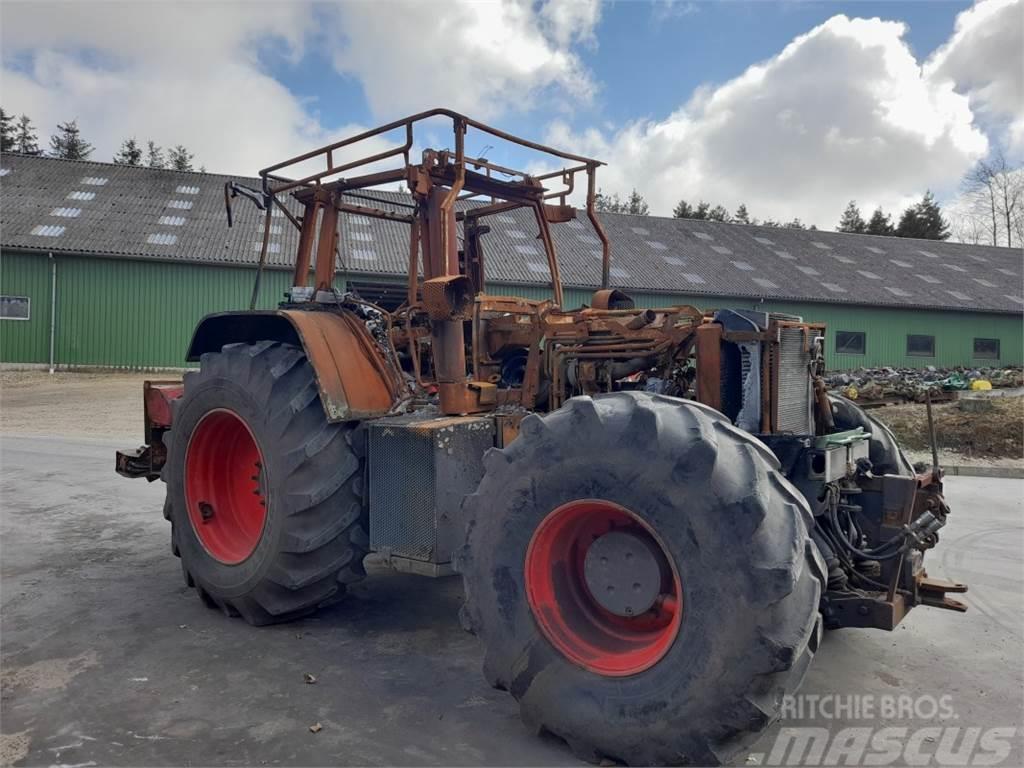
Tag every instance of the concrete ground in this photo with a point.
(107, 659)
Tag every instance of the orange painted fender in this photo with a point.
(354, 379)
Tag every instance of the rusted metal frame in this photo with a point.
(295, 222)
(263, 258)
(448, 204)
(327, 247)
(487, 210)
(606, 254)
(549, 250)
(460, 122)
(447, 174)
(393, 203)
(412, 294)
(709, 365)
(355, 182)
(374, 213)
(316, 178)
(306, 238)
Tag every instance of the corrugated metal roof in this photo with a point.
(145, 213)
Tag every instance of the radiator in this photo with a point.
(794, 407)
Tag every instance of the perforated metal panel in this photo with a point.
(794, 407)
(420, 470)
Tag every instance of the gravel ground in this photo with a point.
(73, 404)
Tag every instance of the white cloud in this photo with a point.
(842, 112)
(176, 73)
(194, 73)
(484, 58)
(983, 59)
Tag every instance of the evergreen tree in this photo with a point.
(636, 204)
(26, 140)
(880, 224)
(741, 216)
(6, 131)
(851, 220)
(154, 156)
(129, 154)
(701, 211)
(68, 143)
(683, 210)
(795, 224)
(718, 213)
(180, 159)
(771, 223)
(923, 220)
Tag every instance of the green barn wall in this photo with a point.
(131, 313)
(26, 341)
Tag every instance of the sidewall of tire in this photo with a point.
(225, 580)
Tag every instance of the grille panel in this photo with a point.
(794, 406)
(420, 470)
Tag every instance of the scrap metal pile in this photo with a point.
(912, 384)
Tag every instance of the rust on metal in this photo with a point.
(354, 379)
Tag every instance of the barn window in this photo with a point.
(986, 349)
(851, 342)
(920, 346)
(14, 307)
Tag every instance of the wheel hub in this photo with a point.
(602, 588)
(225, 486)
(622, 573)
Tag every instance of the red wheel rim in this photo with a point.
(568, 614)
(224, 486)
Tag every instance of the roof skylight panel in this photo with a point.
(47, 230)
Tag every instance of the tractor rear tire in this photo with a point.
(695, 678)
(264, 496)
(887, 458)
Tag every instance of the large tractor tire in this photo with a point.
(264, 495)
(887, 458)
(642, 579)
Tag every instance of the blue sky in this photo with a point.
(649, 57)
(793, 108)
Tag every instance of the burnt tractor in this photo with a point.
(655, 512)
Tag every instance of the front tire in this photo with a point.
(264, 495)
(737, 569)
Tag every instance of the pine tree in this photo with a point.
(880, 224)
(180, 159)
(718, 213)
(6, 131)
(923, 220)
(130, 153)
(154, 156)
(741, 216)
(683, 210)
(636, 204)
(851, 220)
(608, 203)
(26, 140)
(68, 143)
(795, 224)
(701, 211)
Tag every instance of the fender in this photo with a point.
(351, 373)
